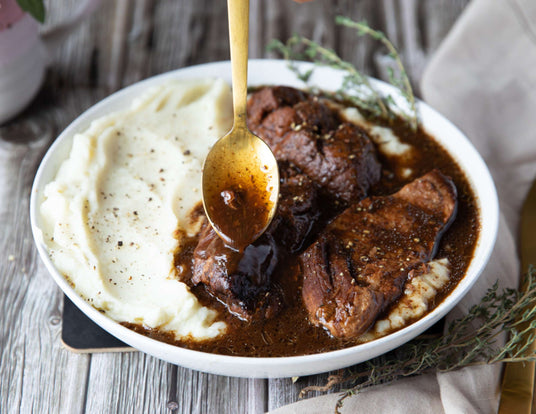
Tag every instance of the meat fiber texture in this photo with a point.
(360, 263)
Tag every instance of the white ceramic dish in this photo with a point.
(262, 72)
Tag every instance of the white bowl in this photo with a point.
(264, 72)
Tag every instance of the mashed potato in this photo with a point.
(130, 181)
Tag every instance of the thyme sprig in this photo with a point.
(356, 87)
(470, 340)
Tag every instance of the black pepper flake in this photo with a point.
(119, 243)
(135, 213)
(187, 152)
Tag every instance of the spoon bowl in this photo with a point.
(240, 173)
(240, 187)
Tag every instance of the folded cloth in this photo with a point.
(483, 79)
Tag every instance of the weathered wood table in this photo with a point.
(123, 42)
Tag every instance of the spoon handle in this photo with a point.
(238, 11)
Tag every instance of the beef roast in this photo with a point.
(244, 282)
(323, 160)
(359, 264)
(300, 129)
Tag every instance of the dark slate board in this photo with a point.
(81, 334)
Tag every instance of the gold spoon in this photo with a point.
(240, 174)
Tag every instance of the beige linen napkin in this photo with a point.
(483, 78)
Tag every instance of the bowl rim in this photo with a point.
(269, 367)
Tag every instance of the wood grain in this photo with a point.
(126, 41)
(130, 382)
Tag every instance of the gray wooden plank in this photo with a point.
(137, 50)
(112, 59)
(199, 392)
(359, 51)
(283, 18)
(130, 382)
(283, 391)
(53, 379)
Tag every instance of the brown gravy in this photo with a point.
(290, 333)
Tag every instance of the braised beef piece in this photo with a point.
(361, 261)
(241, 281)
(338, 156)
(245, 282)
(342, 162)
(269, 99)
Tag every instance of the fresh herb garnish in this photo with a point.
(356, 87)
(36, 8)
(469, 341)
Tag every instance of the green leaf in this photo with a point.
(305, 76)
(35, 7)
